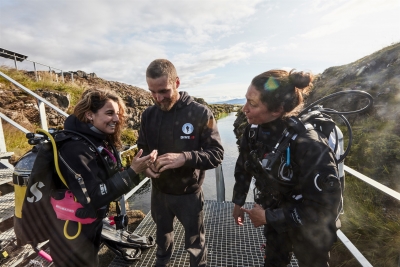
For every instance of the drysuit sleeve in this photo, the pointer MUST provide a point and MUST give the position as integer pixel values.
(77, 161)
(211, 152)
(316, 202)
(142, 140)
(242, 177)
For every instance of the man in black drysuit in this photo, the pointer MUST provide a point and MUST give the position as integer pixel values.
(186, 136)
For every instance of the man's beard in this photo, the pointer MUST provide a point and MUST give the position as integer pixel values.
(167, 104)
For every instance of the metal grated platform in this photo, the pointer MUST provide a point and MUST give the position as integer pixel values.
(22, 252)
(6, 155)
(228, 244)
(6, 206)
(5, 176)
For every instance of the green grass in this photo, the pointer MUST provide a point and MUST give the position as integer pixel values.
(372, 218)
(15, 139)
(46, 83)
(370, 225)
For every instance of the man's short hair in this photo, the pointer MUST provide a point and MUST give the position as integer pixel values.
(161, 67)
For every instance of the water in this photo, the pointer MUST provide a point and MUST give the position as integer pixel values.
(141, 199)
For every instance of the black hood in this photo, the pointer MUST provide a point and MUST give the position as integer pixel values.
(276, 126)
(184, 100)
(73, 124)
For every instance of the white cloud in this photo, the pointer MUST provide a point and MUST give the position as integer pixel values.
(343, 15)
(211, 43)
(118, 39)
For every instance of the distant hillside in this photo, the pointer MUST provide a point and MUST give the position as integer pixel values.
(377, 74)
(236, 101)
(376, 149)
(23, 108)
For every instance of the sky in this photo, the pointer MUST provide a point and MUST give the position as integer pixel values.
(216, 46)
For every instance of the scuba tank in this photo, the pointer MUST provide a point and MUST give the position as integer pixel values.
(22, 171)
(41, 208)
(21, 174)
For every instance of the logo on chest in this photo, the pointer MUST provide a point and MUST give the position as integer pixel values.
(187, 128)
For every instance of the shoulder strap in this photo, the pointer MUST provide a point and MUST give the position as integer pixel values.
(253, 134)
(94, 146)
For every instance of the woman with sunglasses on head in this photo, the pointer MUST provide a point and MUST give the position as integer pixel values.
(298, 197)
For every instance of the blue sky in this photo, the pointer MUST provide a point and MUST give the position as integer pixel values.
(216, 46)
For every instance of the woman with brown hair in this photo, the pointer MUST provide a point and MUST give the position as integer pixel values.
(298, 196)
(93, 173)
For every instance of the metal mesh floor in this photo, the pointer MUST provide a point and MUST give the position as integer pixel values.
(228, 244)
(5, 176)
(7, 206)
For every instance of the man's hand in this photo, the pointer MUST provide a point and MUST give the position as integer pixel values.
(149, 172)
(257, 215)
(169, 161)
(238, 214)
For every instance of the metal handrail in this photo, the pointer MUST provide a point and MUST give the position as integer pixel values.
(41, 99)
(34, 66)
(373, 183)
(353, 250)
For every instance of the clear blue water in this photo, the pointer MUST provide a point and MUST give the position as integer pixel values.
(141, 199)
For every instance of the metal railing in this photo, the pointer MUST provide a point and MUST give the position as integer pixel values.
(51, 69)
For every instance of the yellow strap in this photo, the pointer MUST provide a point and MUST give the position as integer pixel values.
(66, 232)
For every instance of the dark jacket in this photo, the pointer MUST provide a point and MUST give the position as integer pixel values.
(314, 197)
(77, 157)
(103, 184)
(189, 127)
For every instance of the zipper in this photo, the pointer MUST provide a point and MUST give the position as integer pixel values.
(78, 177)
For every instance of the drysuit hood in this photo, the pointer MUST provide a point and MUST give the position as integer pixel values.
(184, 100)
(73, 124)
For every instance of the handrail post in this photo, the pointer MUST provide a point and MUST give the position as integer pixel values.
(15, 63)
(3, 147)
(42, 113)
(220, 184)
(34, 67)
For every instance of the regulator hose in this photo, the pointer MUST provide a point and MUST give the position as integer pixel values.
(315, 105)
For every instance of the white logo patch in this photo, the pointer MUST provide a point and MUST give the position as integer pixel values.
(187, 128)
(103, 189)
(35, 192)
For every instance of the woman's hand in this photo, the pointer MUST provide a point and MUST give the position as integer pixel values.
(238, 214)
(139, 164)
(257, 215)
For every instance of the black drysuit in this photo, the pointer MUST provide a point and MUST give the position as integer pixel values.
(188, 128)
(304, 202)
(103, 185)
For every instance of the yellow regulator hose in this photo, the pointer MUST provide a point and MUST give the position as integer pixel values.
(55, 154)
